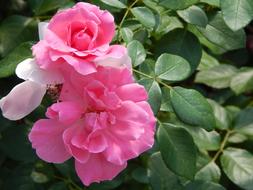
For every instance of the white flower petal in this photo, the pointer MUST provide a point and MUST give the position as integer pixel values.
(115, 61)
(29, 70)
(22, 100)
(116, 57)
(42, 29)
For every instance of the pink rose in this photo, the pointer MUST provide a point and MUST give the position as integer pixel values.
(78, 36)
(102, 120)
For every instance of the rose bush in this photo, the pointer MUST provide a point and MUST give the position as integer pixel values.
(194, 59)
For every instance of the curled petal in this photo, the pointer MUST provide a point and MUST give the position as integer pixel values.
(22, 100)
(46, 138)
(29, 70)
(97, 169)
(66, 112)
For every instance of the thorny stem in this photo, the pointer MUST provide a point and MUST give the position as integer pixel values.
(156, 79)
(124, 17)
(223, 144)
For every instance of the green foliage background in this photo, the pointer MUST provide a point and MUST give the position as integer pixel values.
(194, 57)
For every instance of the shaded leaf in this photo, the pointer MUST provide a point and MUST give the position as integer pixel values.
(176, 144)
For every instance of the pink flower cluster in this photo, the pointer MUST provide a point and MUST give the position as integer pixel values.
(101, 117)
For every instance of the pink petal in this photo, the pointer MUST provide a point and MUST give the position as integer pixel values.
(66, 112)
(74, 139)
(22, 100)
(97, 169)
(46, 138)
(133, 92)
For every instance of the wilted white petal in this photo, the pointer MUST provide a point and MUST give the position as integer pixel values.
(42, 29)
(22, 100)
(29, 70)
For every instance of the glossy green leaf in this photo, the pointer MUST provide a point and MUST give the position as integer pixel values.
(223, 120)
(221, 35)
(203, 139)
(114, 3)
(242, 81)
(194, 15)
(166, 103)
(217, 77)
(154, 93)
(127, 34)
(137, 52)
(237, 165)
(9, 63)
(191, 107)
(210, 172)
(145, 16)
(215, 3)
(178, 4)
(176, 144)
(207, 62)
(203, 185)
(160, 177)
(172, 67)
(237, 13)
(244, 122)
(182, 43)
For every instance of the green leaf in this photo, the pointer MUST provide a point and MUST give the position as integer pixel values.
(182, 43)
(217, 77)
(160, 177)
(237, 13)
(237, 138)
(166, 24)
(145, 16)
(220, 34)
(215, 3)
(244, 122)
(210, 172)
(178, 4)
(127, 34)
(154, 93)
(148, 67)
(207, 62)
(114, 3)
(203, 185)
(176, 144)
(9, 63)
(242, 81)
(194, 15)
(191, 107)
(166, 103)
(203, 139)
(223, 120)
(172, 67)
(237, 165)
(137, 52)
(15, 30)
